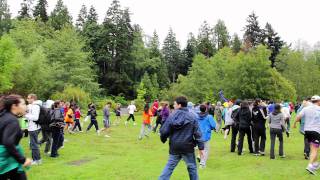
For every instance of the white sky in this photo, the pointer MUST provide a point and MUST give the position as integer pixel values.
(292, 19)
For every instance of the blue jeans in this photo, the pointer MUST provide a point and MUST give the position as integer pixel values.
(173, 161)
(34, 145)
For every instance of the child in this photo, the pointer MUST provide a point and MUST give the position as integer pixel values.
(131, 108)
(106, 118)
(93, 115)
(146, 115)
(118, 114)
(77, 116)
(69, 118)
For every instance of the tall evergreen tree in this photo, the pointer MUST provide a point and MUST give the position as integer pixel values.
(172, 55)
(25, 11)
(236, 43)
(221, 34)
(206, 40)
(273, 42)
(253, 34)
(82, 17)
(5, 17)
(154, 46)
(40, 10)
(60, 16)
(188, 53)
(92, 16)
(90, 30)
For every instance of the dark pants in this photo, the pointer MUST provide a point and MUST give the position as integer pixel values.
(173, 161)
(56, 143)
(13, 175)
(273, 134)
(235, 130)
(46, 138)
(259, 137)
(93, 122)
(242, 133)
(77, 124)
(157, 124)
(131, 116)
(306, 147)
(34, 145)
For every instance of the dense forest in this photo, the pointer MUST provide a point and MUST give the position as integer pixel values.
(52, 54)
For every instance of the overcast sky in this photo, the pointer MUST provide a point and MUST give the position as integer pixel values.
(292, 19)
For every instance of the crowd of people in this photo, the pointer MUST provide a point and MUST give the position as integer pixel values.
(188, 127)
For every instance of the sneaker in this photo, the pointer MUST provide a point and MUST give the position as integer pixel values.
(198, 159)
(107, 136)
(306, 156)
(288, 134)
(134, 124)
(316, 165)
(98, 132)
(81, 131)
(262, 153)
(140, 138)
(257, 154)
(202, 166)
(126, 123)
(283, 156)
(311, 170)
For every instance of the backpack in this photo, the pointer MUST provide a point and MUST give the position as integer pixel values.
(44, 116)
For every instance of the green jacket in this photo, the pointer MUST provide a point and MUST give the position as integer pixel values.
(7, 162)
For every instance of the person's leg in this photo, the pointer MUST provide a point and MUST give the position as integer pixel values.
(49, 142)
(262, 140)
(234, 138)
(203, 161)
(141, 135)
(90, 125)
(130, 117)
(280, 136)
(256, 140)
(95, 123)
(13, 175)
(241, 137)
(149, 129)
(34, 145)
(79, 125)
(249, 137)
(171, 165)
(55, 143)
(313, 165)
(190, 160)
(306, 148)
(272, 139)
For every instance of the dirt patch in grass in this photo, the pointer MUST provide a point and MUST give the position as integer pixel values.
(79, 162)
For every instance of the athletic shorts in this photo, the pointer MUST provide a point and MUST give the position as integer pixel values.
(313, 137)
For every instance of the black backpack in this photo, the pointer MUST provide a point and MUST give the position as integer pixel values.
(44, 116)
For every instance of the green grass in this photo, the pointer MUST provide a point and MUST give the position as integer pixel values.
(123, 156)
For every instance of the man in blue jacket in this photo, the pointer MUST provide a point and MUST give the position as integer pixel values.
(207, 124)
(183, 131)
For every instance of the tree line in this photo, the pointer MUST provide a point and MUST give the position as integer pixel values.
(47, 53)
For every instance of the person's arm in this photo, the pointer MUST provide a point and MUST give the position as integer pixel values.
(33, 115)
(212, 123)
(165, 130)
(298, 119)
(8, 139)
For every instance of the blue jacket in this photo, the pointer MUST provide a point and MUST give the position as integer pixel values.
(207, 124)
(182, 129)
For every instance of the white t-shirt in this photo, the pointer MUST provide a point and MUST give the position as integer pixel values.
(132, 109)
(311, 116)
(286, 112)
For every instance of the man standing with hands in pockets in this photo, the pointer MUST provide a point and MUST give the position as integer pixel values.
(184, 135)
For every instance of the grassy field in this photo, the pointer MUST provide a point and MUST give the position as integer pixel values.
(123, 156)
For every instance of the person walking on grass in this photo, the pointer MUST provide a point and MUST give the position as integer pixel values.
(276, 120)
(118, 114)
(159, 118)
(77, 116)
(235, 126)
(146, 122)
(228, 121)
(106, 118)
(33, 112)
(131, 108)
(311, 116)
(69, 118)
(245, 117)
(184, 134)
(206, 124)
(218, 110)
(57, 125)
(287, 117)
(11, 154)
(93, 119)
(259, 116)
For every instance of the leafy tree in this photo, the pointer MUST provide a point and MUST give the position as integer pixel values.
(236, 44)
(206, 44)
(82, 17)
(253, 34)
(60, 16)
(222, 35)
(273, 42)
(172, 55)
(40, 10)
(5, 17)
(25, 11)
(9, 63)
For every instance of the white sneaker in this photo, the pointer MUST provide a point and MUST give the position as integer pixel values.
(98, 132)
(126, 123)
(134, 124)
(311, 169)
(107, 136)
(316, 165)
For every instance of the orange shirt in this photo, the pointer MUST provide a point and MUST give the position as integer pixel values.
(147, 117)
(67, 118)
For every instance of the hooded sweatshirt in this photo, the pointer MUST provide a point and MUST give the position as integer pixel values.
(206, 124)
(183, 131)
(33, 115)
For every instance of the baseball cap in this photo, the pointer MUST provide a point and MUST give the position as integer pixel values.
(315, 98)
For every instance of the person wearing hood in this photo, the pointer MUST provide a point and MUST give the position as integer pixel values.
(245, 117)
(235, 126)
(259, 116)
(33, 112)
(218, 111)
(193, 110)
(206, 124)
(287, 116)
(184, 135)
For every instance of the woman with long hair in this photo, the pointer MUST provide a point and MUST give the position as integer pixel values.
(146, 115)
(12, 159)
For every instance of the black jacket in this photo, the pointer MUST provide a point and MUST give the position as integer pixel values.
(245, 117)
(259, 119)
(57, 120)
(10, 135)
(183, 131)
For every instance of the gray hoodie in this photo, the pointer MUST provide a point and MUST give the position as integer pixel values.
(276, 121)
